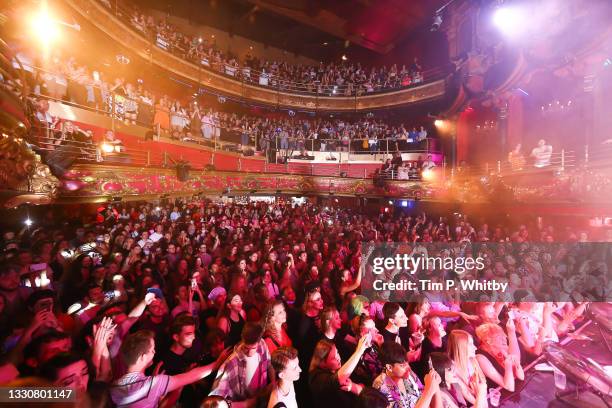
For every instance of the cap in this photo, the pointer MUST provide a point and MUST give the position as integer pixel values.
(216, 292)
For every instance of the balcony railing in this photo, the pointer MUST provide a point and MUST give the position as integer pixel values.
(228, 80)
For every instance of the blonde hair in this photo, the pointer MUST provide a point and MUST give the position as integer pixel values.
(268, 319)
(320, 354)
(326, 316)
(458, 342)
(488, 331)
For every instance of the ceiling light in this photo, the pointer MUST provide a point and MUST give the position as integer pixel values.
(437, 22)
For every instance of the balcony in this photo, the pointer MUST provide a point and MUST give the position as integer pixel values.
(288, 95)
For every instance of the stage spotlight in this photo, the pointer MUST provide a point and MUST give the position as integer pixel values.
(437, 22)
(509, 20)
(427, 174)
(28, 222)
(438, 123)
(344, 57)
(45, 27)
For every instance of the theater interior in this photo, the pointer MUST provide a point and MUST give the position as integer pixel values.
(208, 203)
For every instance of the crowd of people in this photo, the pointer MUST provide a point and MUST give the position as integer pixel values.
(398, 169)
(197, 303)
(67, 80)
(540, 155)
(341, 79)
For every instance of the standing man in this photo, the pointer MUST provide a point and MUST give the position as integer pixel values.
(135, 389)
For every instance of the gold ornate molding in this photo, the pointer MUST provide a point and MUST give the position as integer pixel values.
(94, 183)
(104, 20)
(23, 176)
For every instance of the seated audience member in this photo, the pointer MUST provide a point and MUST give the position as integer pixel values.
(499, 355)
(246, 373)
(542, 154)
(329, 379)
(135, 389)
(287, 370)
(399, 384)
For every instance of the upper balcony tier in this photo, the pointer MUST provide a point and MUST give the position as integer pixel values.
(255, 88)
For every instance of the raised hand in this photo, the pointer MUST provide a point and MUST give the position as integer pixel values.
(432, 381)
(149, 298)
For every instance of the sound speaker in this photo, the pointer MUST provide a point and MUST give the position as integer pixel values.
(182, 172)
(61, 159)
(272, 156)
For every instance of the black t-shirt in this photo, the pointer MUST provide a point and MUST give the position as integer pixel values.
(403, 333)
(421, 367)
(326, 391)
(174, 364)
(307, 336)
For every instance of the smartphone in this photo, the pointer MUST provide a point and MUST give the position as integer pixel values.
(38, 267)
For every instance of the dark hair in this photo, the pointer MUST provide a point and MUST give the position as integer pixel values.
(213, 336)
(280, 358)
(392, 353)
(135, 345)
(440, 362)
(252, 332)
(39, 295)
(372, 398)
(389, 310)
(33, 349)
(214, 401)
(180, 322)
(51, 367)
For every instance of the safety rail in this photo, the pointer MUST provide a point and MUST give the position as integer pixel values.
(81, 148)
(233, 138)
(560, 161)
(230, 68)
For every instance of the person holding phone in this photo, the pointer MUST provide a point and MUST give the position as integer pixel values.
(329, 379)
(399, 384)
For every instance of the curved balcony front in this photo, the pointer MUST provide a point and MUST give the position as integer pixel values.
(103, 19)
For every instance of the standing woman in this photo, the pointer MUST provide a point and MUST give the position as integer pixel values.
(162, 114)
(196, 119)
(207, 126)
(274, 321)
(232, 320)
(462, 351)
(499, 355)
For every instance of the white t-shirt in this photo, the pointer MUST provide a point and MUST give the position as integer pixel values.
(252, 363)
(155, 237)
(276, 396)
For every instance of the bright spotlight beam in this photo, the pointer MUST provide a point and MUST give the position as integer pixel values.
(45, 27)
(509, 20)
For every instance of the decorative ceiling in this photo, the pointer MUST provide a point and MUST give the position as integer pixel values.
(319, 29)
